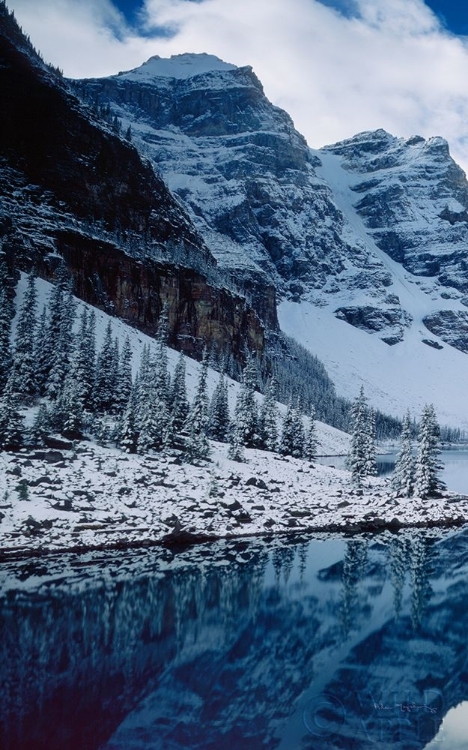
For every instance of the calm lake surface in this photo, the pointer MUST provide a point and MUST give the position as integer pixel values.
(330, 642)
(454, 474)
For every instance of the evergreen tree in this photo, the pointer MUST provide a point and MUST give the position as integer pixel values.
(42, 352)
(24, 360)
(151, 410)
(11, 422)
(268, 419)
(427, 482)
(287, 441)
(292, 436)
(128, 437)
(403, 475)
(370, 464)
(60, 343)
(104, 395)
(219, 422)
(236, 447)
(196, 426)
(124, 383)
(357, 460)
(41, 425)
(311, 442)
(81, 366)
(71, 406)
(246, 416)
(178, 403)
(5, 328)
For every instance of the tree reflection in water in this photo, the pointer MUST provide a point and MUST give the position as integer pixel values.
(233, 645)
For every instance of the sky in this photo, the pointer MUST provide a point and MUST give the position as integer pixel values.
(338, 67)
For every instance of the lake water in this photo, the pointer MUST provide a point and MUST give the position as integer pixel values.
(328, 642)
(454, 474)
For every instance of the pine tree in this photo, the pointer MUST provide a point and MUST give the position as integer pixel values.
(219, 422)
(358, 452)
(11, 422)
(124, 381)
(292, 436)
(5, 328)
(128, 437)
(403, 475)
(151, 411)
(268, 419)
(246, 415)
(71, 409)
(81, 366)
(427, 482)
(370, 464)
(42, 352)
(286, 444)
(311, 442)
(61, 318)
(24, 360)
(41, 426)
(178, 403)
(104, 395)
(196, 426)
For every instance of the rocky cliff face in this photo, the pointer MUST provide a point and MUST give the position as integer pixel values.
(71, 186)
(242, 171)
(269, 208)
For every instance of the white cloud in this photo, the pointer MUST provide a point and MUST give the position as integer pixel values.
(392, 66)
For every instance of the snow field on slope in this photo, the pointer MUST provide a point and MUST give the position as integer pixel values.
(177, 66)
(405, 375)
(331, 441)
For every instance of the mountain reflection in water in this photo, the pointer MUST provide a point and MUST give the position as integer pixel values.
(333, 643)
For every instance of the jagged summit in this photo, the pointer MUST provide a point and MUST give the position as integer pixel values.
(377, 149)
(187, 65)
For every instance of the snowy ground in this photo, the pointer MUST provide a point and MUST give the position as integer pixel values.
(99, 497)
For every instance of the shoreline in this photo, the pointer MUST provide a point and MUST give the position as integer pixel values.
(95, 498)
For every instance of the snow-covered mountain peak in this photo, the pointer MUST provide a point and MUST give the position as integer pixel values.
(187, 65)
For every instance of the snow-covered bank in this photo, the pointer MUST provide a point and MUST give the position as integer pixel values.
(95, 497)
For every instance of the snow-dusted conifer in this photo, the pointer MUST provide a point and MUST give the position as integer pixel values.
(268, 419)
(370, 463)
(403, 475)
(152, 414)
(427, 482)
(128, 437)
(178, 403)
(41, 352)
(246, 413)
(196, 426)
(63, 342)
(292, 435)
(11, 421)
(124, 382)
(286, 444)
(24, 361)
(357, 456)
(104, 394)
(219, 422)
(71, 408)
(41, 425)
(5, 327)
(311, 441)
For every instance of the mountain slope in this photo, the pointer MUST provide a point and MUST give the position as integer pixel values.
(71, 188)
(364, 241)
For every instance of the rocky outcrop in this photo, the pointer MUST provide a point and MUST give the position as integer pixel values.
(413, 199)
(451, 326)
(389, 323)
